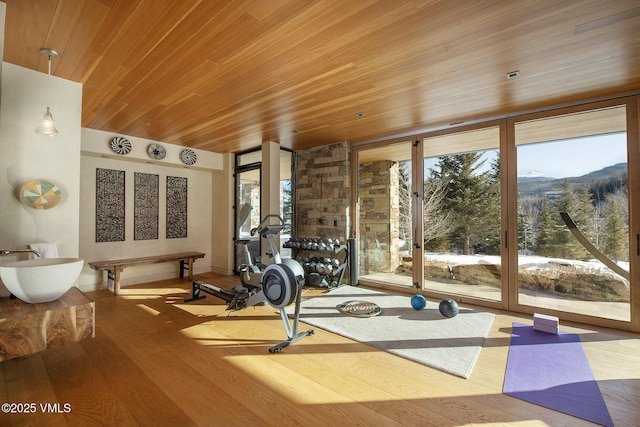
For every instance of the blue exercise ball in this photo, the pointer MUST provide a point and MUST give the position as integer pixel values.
(448, 307)
(418, 302)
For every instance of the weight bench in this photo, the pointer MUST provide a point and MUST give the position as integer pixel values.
(115, 267)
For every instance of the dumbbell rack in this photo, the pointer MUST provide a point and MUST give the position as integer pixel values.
(339, 252)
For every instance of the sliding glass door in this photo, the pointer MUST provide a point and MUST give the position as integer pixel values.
(461, 214)
(534, 213)
(286, 199)
(247, 207)
(384, 204)
(248, 199)
(573, 213)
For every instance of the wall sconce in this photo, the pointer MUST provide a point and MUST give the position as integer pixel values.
(47, 125)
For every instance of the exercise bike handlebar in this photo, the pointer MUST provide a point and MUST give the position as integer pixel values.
(263, 226)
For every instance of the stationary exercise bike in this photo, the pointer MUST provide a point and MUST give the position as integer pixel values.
(278, 284)
(250, 273)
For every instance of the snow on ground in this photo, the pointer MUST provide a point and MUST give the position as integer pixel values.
(526, 262)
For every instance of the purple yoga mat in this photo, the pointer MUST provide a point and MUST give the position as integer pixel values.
(553, 371)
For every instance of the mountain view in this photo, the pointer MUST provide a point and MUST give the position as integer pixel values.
(534, 176)
(599, 182)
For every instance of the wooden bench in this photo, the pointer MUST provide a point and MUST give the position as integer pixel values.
(115, 267)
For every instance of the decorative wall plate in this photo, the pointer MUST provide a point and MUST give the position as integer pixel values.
(40, 194)
(156, 151)
(120, 145)
(188, 157)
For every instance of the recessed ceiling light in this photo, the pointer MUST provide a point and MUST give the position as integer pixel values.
(513, 74)
(360, 114)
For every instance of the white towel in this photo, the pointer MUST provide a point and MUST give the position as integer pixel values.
(46, 250)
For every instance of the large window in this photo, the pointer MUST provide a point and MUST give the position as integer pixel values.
(286, 198)
(532, 213)
(461, 214)
(384, 214)
(573, 213)
(248, 203)
(247, 207)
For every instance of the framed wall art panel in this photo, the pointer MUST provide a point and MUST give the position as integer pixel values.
(146, 205)
(110, 201)
(176, 207)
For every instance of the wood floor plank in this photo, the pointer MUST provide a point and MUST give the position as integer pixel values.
(403, 390)
(27, 382)
(145, 401)
(157, 360)
(205, 400)
(79, 384)
(217, 328)
(270, 400)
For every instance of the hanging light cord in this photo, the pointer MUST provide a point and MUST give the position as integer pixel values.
(49, 83)
(47, 124)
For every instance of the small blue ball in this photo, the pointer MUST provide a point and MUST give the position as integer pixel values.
(418, 302)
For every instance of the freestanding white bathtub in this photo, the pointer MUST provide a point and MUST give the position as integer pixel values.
(41, 280)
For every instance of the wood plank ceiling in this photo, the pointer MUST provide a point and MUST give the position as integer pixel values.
(225, 76)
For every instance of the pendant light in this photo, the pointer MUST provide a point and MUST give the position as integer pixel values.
(47, 125)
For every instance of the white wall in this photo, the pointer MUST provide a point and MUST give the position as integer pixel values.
(70, 160)
(223, 249)
(27, 155)
(98, 143)
(96, 153)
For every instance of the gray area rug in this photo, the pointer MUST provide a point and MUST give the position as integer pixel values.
(449, 344)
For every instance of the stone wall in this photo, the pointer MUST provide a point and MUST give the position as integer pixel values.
(323, 197)
(323, 191)
(379, 213)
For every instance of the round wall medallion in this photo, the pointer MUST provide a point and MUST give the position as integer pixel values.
(156, 151)
(120, 145)
(40, 194)
(188, 156)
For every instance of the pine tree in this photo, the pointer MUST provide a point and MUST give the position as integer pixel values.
(614, 232)
(544, 245)
(587, 215)
(472, 198)
(488, 237)
(566, 245)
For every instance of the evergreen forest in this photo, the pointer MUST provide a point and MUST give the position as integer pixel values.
(461, 208)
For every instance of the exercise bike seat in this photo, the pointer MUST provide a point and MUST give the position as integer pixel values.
(272, 229)
(239, 291)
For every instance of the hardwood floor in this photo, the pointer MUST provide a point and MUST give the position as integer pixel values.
(156, 360)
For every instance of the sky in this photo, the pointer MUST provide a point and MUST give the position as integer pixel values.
(565, 158)
(574, 157)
